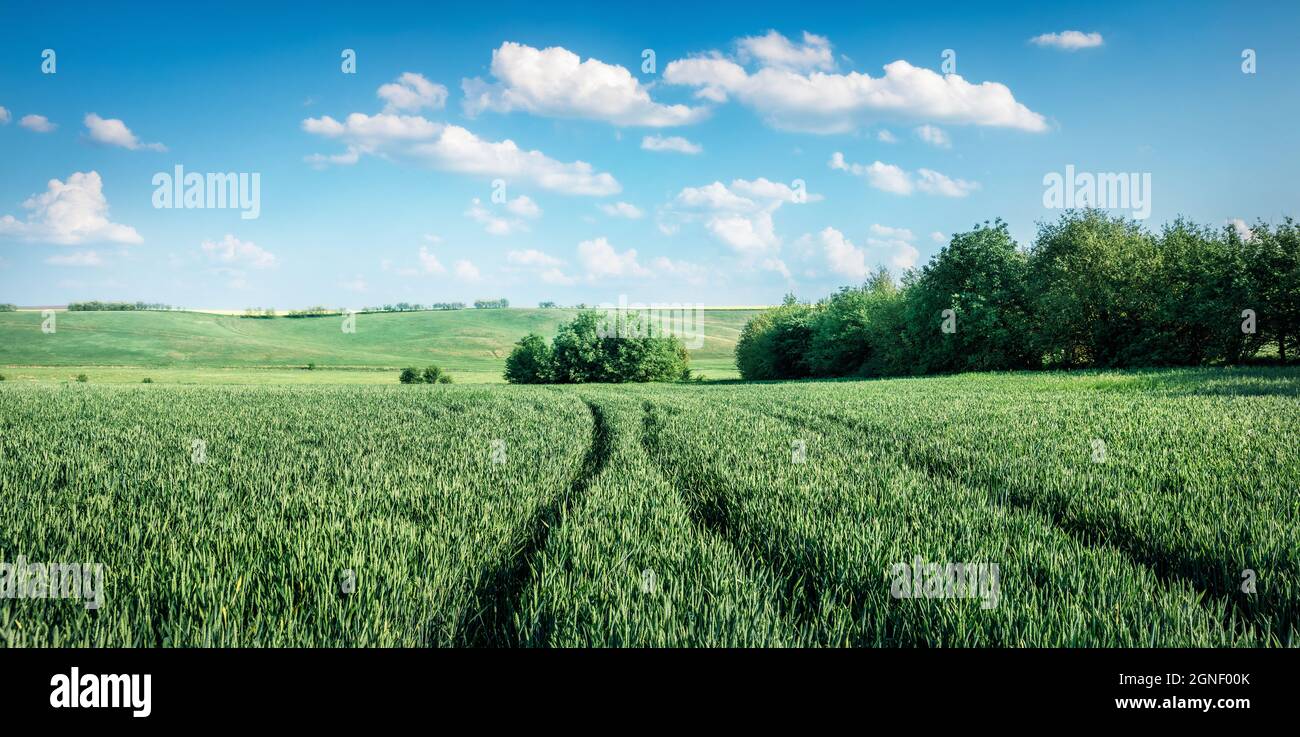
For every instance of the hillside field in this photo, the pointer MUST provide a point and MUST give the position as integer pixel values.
(198, 347)
(1109, 509)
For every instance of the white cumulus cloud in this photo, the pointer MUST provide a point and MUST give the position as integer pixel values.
(896, 180)
(777, 51)
(556, 82)
(1068, 40)
(69, 213)
(600, 259)
(452, 148)
(38, 123)
(828, 102)
(113, 132)
(232, 251)
(670, 143)
(623, 210)
(934, 136)
(412, 92)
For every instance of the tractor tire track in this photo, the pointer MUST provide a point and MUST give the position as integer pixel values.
(799, 597)
(1204, 574)
(492, 621)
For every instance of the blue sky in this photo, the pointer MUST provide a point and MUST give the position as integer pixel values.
(805, 161)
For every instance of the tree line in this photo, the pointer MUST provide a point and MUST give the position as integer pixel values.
(97, 306)
(1091, 291)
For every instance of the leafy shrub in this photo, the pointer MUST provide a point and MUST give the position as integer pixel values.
(775, 344)
(531, 361)
(431, 374)
(599, 347)
(146, 380)
(82, 378)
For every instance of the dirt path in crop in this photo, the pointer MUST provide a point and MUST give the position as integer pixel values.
(497, 598)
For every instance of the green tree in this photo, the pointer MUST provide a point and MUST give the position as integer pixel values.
(431, 374)
(1272, 257)
(598, 347)
(845, 331)
(981, 276)
(1088, 305)
(530, 362)
(774, 343)
(411, 376)
(1198, 289)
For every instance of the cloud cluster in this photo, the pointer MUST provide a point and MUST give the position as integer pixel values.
(412, 92)
(516, 211)
(1068, 40)
(37, 123)
(675, 144)
(896, 180)
(851, 261)
(792, 89)
(69, 213)
(556, 82)
(623, 210)
(934, 136)
(452, 148)
(231, 251)
(113, 132)
(739, 215)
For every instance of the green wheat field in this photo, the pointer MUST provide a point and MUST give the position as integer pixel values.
(242, 499)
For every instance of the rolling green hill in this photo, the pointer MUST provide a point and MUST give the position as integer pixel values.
(197, 347)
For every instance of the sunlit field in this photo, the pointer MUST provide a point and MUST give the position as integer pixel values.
(1152, 508)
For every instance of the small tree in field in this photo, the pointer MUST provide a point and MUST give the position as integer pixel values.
(530, 362)
(433, 375)
(411, 376)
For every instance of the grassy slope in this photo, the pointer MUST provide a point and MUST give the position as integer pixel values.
(191, 347)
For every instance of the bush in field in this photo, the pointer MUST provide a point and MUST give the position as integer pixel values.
(429, 375)
(530, 362)
(775, 344)
(146, 380)
(82, 378)
(7, 307)
(599, 347)
(853, 332)
(435, 375)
